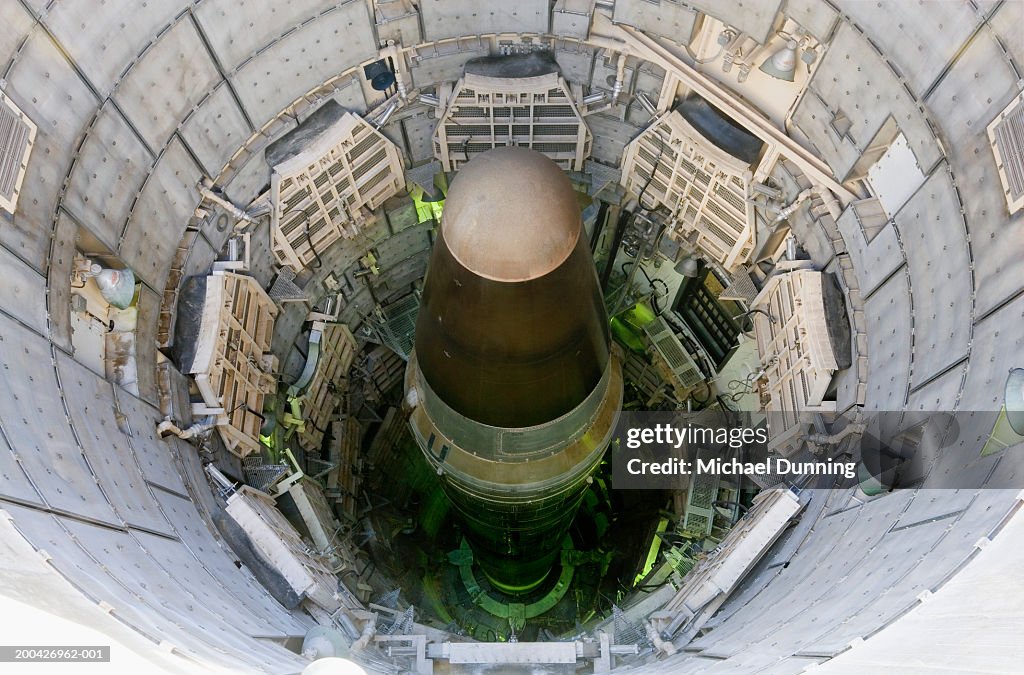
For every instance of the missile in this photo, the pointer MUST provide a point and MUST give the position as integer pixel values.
(512, 389)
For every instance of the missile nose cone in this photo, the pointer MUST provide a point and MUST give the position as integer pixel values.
(511, 216)
(512, 330)
(514, 391)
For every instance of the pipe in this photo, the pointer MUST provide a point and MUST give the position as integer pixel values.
(205, 188)
(369, 630)
(791, 208)
(167, 428)
(646, 104)
(220, 479)
(830, 201)
(395, 54)
(834, 439)
(386, 115)
(620, 75)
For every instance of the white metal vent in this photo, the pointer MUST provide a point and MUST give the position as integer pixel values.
(681, 370)
(796, 351)
(1006, 135)
(233, 367)
(705, 188)
(533, 112)
(17, 136)
(700, 509)
(322, 395)
(330, 189)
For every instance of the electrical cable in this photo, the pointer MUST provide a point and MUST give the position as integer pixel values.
(654, 169)
(309, 240)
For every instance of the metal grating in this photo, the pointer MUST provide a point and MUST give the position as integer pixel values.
(260, 475)
(706, 189)
(17, 136)
(1006, 135)
(233, 366)
(741, 288)
(330, 189)
(389, 599)
(533, 112)
(396, 324)
(680, 367)
(285, 289)
(627, 632)
(796, 352)
(700, 510)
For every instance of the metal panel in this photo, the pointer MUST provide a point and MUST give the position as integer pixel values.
(446, 19)
(237, 29)
(13, 481)
(939, 394)
(155, 102)
(58, 300)
(996, 347)
(575, 63)
(963, 115)
(571, 18)
(103, 37)
(868, 93)
(610, 137)
(283, 72)
(155, 456)
(24, 292)
(188, 573)
(837, 547)
(813, 117)
(817, 17)
(48, 533)
(935, 243)
(49, 454)
(160, 215)
(216, 129)
(755, 18)
(217, 561)
(920, 43)
(445, 63)
(90, 404)
(667, 18)
(18, 24)
(834, 603)
(419, 129)
(984, 508)
(107, 175)
(145, 344)
(873, 262)
(126, 562)
(252, 177)
(506, 653)
(888, 315)
(61, 109)
(1006, 22)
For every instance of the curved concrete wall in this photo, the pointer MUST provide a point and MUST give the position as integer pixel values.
(136, 101)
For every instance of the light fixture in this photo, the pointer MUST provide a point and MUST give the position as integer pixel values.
(688, 267)
(1013, 399)
(782, 64)
(380, 76)
(116, 286)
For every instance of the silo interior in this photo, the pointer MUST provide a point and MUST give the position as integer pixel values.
(215, 223)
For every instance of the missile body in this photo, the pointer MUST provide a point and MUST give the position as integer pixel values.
(512, 389)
